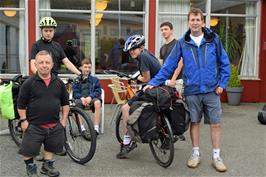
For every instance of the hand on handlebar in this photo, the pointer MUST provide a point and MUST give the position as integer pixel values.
(147, 87)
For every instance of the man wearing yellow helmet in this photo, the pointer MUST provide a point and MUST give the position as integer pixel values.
(48, 25)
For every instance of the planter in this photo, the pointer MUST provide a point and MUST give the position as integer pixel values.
(234, 95)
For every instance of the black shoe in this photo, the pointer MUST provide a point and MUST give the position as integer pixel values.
(125, 149)
(182, 138)
(165, 144)
(96, 133)
(32, 170)
(63, 153)
(48, 169)
(86, 135)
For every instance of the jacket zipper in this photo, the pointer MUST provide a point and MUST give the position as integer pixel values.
(205, 54)
(194, 58)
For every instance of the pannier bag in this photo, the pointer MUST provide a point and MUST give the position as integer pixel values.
(262, 115)
(6, 101)
(178, 117)
(162, 97)
(142, 122)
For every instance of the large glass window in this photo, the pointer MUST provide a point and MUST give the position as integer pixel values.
(175, 11)
(236, 21)
(115, 20)
(237, 24)
(13, 37)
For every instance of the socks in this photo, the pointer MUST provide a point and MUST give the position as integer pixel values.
(126, 140)
(29, 161)
(216, 153)
(195, 151)
(96, 127)
(82, 128)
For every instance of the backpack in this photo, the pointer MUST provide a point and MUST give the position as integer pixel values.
(262, 115)
(142, 122)
(162, 97)
(178, 117)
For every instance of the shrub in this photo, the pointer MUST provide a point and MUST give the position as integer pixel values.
(234, 80)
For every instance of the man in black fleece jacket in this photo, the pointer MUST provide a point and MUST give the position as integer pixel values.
(39, 103)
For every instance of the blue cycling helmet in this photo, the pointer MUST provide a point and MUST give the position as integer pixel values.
(134, 42)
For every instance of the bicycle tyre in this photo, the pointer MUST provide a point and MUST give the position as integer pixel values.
(15, 131)
(165, 132)
(72, 139)
(118, 128)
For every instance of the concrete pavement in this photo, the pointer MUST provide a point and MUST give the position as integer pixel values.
(243, 150)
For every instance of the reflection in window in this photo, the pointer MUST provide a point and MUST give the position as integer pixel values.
(109, 44)
(12, 43)
(73, 33)
(238, 34)
(70, 4)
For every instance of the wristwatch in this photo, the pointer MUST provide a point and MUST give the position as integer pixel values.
(22, 120)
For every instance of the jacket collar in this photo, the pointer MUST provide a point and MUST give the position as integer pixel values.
(208, 35)
(37, 77)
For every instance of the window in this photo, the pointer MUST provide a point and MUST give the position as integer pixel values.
(115, 20)
(13, 55)
(236, 22)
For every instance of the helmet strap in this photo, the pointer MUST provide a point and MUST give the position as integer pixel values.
(45, 40)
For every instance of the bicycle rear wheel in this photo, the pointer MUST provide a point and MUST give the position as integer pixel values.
(119, 127)
(163, 147)
(15, 131)
(80, 136)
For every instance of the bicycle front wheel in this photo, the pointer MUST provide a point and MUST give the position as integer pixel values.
(15, 131)
(163, 147)
(119, 127)
(80, 136)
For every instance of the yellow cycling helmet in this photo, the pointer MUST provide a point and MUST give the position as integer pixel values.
(47, 22)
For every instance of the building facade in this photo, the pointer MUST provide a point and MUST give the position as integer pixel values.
(96, 29)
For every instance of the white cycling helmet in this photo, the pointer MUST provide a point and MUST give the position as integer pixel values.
(134, 41)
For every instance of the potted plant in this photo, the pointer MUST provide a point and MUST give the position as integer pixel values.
(234, 88)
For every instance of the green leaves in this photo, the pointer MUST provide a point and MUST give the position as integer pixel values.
(234, 80)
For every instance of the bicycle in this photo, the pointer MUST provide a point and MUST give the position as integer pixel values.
(163, 156)
(80, 143)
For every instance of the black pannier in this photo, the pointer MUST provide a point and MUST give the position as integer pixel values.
(142, 122)
(178, 117)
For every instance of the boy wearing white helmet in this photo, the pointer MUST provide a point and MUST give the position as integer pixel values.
(48, 26)
(148, 66)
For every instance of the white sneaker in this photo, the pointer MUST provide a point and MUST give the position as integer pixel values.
(193, 161)
(218, 164)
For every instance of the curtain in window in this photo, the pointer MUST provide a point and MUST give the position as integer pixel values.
(179, 21)
(249, 67)
(45, 5)
(23, 61)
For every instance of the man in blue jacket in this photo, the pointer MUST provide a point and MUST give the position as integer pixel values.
(206, 71)
(88, 92)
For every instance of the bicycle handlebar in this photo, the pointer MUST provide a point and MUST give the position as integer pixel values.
(16, 79)
(121, 74)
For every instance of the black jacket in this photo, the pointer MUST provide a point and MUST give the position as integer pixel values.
(42, 103)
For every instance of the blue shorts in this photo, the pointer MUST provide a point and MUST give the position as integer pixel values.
(208, 104)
